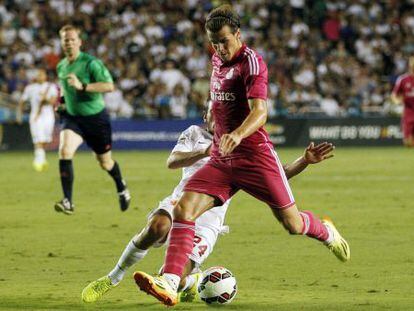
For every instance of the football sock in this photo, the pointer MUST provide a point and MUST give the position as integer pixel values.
(313, 227)
(66, 178)
(189, 282)
(179, 250)
(173, 280)
(39, 155)
(129, 257)
(115, 173)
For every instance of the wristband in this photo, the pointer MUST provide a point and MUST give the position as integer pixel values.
(84, 85)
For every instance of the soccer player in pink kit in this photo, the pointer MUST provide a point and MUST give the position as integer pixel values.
(403, 93)
(242, 158)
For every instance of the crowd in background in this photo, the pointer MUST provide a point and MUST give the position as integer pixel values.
(325, 57)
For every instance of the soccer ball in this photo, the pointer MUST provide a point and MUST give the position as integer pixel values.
(217, 286)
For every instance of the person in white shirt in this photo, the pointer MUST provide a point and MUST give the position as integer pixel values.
(191, 152)
(41, 95)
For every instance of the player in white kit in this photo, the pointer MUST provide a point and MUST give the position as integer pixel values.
(41, 95)
(190, 153)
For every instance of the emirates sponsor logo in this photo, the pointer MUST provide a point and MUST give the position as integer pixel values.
(222, 96)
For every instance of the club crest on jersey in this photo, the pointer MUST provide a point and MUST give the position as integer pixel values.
(229, 74)
(216, 86)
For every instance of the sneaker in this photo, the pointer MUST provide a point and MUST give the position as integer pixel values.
(124, 198)
(156, 286)
(65, 207)
(96, 289)
(190, 294)
(338, 245)
(38, 167)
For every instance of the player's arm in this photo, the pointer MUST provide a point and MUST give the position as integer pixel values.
(396, 99)
(19, 111)
(103, 79)
(312, 155)
(21, 105)
(45, 101)
(396, 94)
(179, 159)
(254, 120)
(95, 87)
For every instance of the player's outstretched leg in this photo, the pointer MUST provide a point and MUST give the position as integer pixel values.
(156, 231)
(306, 223)
(326, 232)
(124, 197)
(337, 244)
(114, 171)
(66, 177)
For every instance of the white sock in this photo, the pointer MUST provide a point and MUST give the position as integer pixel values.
(173, 280)
(39, 155)
(189, 282)
(130, 256)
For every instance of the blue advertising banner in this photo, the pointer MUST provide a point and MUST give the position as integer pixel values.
(163, 134)
(154, 134)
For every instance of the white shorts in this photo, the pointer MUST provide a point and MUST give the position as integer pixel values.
(42, 129)
(208, 227)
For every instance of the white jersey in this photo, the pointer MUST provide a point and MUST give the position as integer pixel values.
(195, 139)
(34, 93)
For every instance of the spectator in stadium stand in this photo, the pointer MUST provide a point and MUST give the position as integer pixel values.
(376, 35)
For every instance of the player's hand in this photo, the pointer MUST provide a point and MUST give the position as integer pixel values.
(73, 81)
(228, 143)
(315, 154)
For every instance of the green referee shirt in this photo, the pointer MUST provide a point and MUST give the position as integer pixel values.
(88, 69)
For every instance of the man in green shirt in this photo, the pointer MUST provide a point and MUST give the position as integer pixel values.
(83, 79)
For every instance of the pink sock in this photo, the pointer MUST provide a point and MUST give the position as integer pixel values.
(313, 227)
(179, 247)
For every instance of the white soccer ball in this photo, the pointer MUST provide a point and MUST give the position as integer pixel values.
(218, 286)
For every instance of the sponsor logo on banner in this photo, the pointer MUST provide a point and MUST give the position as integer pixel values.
(352, 132)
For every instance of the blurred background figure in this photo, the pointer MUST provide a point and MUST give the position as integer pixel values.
(41, 95)
(351, 50)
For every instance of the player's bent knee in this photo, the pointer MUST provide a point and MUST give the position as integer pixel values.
(159, 227)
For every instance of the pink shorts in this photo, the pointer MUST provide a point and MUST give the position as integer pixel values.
(260, 175)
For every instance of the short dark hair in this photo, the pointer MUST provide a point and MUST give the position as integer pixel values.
(221, 16)
(69, 27)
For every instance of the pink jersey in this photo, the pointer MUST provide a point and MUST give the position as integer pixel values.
(232, 84)
(405, 87)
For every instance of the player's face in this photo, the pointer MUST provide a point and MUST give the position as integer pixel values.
(225, 43)
(71, 42)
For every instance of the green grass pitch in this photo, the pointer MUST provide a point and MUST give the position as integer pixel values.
(47, 258)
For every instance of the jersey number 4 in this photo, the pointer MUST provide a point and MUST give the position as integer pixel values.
(201, 248)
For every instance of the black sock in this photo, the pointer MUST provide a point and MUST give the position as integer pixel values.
(115, 173)
(66, 177)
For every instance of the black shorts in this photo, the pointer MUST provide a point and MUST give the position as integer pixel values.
(95, 129)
